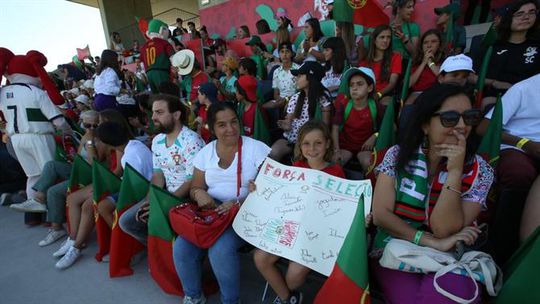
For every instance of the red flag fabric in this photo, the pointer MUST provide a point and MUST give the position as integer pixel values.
(123, 247)
(196, 46)
(239, 47)
(83, 53)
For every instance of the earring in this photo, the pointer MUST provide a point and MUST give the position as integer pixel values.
(425, 142)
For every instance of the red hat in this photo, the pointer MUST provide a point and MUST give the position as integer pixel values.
(248, 83)
(32, 65)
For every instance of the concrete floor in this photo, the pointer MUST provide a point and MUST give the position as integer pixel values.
(28, 275)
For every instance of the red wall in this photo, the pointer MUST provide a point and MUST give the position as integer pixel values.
(220, 18)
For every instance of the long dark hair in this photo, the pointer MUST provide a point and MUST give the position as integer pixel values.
(387, 55)
(438, 56)
(109, 59)
(262, 27)
(397, 4)
(316, 26)
(429, 102)
(245, 28)
(339, 56)
(504, 29)
(117, 117)
(316, 91)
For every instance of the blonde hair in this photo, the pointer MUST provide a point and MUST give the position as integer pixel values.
(309, 126)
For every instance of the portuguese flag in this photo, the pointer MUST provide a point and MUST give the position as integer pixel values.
(133, 189)
(349, 280)
(367, 13)
(105, 183)
(385, 140)
(81, 176)
(490, 145)
(480, 82)
(160, 241)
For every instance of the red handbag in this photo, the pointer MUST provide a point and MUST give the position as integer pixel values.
(203, 227)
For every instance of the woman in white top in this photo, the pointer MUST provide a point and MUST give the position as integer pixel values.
(214, 186)
(107, 83)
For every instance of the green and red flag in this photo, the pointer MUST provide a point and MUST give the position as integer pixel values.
(260, 131)
(123, 247)
(349, 280)
(81, 176)
(480, 82)
(160, 241)
(406, 81)
(368, 13)
(104, 183)
(521, 279)
(490, 145)
(385, 140)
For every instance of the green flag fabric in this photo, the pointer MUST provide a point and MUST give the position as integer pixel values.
(480, 82)
(81, 174)
(490, 145)
(406, 80)
(349, 280)
(104, 183)
(385, 139)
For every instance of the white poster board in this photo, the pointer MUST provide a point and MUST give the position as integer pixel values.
(301, 214)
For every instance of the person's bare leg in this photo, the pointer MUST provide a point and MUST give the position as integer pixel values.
(345, 156)
(530, 220)
(87, 223)
(265, 263)
(279, 149)
(364, 157)
(106, 210)
(75, 201)
(296, 275)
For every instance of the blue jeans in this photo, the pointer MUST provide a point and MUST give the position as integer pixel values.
(131, 226)
(225, 262)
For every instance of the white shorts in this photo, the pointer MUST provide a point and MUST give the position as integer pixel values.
(33, 151)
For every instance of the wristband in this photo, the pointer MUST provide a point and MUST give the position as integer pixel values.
(522, 143)
(431, 64)
(379, 94)
(453, 190)
(418, 236)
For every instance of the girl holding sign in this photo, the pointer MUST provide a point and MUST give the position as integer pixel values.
(313, 150)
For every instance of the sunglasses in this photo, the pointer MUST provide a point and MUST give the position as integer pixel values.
(90, 126)
(450, 119)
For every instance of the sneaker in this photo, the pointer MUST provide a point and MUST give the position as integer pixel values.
(30, 205)
(295, 298)
(5, 199)
(52, 236)
(64, 248)
(105, 259)
(190, 300)
(69, 258)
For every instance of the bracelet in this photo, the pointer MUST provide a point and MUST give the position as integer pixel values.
(379, 94)
(522, 143)
(431, 64)
(418, 236)
(453, 190)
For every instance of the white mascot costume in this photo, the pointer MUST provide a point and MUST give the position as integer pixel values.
(27, 103)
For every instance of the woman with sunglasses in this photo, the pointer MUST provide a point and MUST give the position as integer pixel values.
(430, 189)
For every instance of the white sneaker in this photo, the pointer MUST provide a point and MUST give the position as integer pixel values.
(5, 198)
(30, 205)
(105, 259)
(190, 300)
(64, 248)
(52, 236)
(69, 258)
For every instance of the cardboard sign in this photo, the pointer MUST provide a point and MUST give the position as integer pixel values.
(301, 214)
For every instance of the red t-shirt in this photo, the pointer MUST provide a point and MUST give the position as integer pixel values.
(205, 133)
(425, 81)
(155, 54)
(395, 68)
(357, 129)
(248, 120)
(333, 169)
(196, 82)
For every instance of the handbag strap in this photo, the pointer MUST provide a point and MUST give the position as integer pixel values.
(239, 171)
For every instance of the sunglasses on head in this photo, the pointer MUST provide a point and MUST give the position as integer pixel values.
(90, 126)
(450, 119)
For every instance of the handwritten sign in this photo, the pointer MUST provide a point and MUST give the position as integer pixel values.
(301, 214)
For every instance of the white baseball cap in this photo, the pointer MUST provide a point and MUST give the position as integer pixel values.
(457, 63)
(85, 100)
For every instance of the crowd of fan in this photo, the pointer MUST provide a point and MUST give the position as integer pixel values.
(288, 102)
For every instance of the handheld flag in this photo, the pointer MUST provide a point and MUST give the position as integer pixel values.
(349, 280)
(83, 53)
(406, 81)
(480, 82)
(490, 145)
(385, 139)
(81, 176)
(365, 12)
(104, 183)
(123, 247)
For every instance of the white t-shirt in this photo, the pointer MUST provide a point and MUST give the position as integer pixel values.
(176, 161)
(27, 110)
(222, 182)
(521, 110)
(137, 155)
(107, 83)
(331, 79)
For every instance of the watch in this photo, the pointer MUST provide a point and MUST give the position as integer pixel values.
(89, 143)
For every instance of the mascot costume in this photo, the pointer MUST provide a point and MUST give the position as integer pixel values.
(155, 54)
(27, 103)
